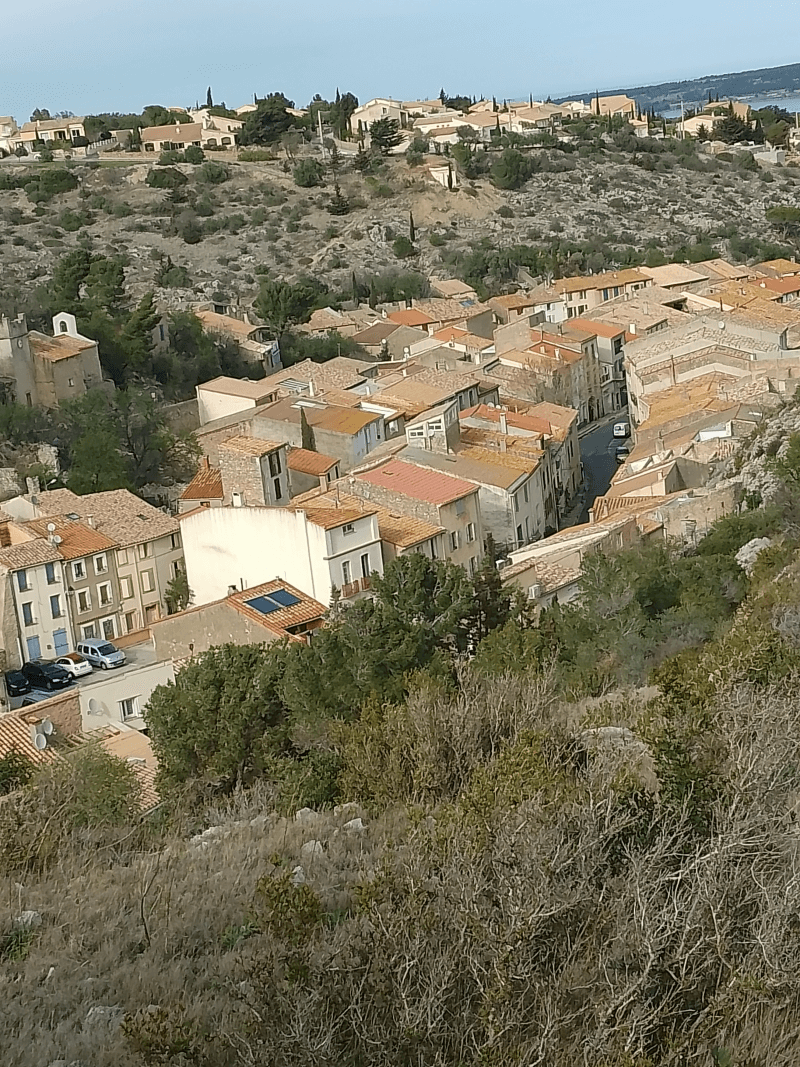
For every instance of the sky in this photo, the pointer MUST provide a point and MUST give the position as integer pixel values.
(105, 55)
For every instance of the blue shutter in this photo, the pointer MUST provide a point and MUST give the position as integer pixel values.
(60, 643)
(34, 648)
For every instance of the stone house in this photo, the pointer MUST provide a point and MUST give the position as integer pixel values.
(41, 371)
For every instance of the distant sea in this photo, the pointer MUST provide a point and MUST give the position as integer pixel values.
(788, 103)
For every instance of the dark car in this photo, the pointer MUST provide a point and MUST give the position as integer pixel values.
(46, 675)
(622, 452)
(17, 684)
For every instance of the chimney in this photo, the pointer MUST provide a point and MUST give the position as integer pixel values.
(632, 328)
(90, 520)
(405, 372)
(503, 422)
(206, 463)
(311, 387)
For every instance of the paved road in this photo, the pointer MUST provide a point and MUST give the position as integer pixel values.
(599, 463)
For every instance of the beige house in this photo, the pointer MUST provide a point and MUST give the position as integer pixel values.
(256, 345)
(8, 128)
(56, 133)
(442, 500)
(230, 396)
(41, 371)
(211, 132)
(614, 105)
(582, 293)
(148, 553)
(379, 108)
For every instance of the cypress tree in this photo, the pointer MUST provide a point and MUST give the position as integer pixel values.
(412, 236)
(306, 433)
(209, 98)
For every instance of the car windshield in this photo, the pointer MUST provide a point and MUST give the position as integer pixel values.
(106, 650)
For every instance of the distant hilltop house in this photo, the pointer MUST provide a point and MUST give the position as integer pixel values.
(60, 133)
(210, 132)
(614, 106)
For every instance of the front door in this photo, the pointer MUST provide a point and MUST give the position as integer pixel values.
(109, 630)
(34, 648)
(60, 643)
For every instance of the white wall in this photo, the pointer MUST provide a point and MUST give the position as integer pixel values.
(39, 597)
(100, 702)
(212, 405)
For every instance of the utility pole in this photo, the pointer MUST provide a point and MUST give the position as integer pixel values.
(319, 123)
(683, 123)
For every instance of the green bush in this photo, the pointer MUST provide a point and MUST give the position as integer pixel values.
(402, 247)
(168, 178)
(213, 174)
(308, 173)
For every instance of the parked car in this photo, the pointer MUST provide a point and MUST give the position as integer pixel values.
(621, 452)
(74, 664)
(45, 675)
(622, 429)
(101, 653)
(17, 684)
(33, 698)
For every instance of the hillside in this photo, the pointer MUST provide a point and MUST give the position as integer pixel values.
(666, 96)
(378, 849)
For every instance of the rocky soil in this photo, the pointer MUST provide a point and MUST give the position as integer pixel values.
(263, 219)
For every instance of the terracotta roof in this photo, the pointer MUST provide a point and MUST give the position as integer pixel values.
(16, 735)
(479, 465)
(134, 748)
(601, 329)
(513, 300)
(780, 266)
(782, 285)
(304, 461)
(410, 317)
(723, 269)
(119, 514)
(183, 132)
(29, 554)
(226, 324)
(258, 391)
(54, 348)
(402, 531)
(251, 446)
(206, 485)
(284, 618)
(452, 288)
(329, 518)
(675, 274)
(373, 335)
(607, 280)
(418, 483)
(337, 373)
(77, 539)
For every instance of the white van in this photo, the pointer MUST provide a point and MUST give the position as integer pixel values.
(101, 653)
(622, 429)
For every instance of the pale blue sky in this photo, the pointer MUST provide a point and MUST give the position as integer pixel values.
(105, 55)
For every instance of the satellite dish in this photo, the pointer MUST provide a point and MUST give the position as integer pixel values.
(47, 726)
(51, 527)
(57, 540)
(94, 707)
(40, 741)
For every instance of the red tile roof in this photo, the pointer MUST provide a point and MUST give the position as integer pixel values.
(410, 317)
(206, 485)
(304, 461)
(418, 483)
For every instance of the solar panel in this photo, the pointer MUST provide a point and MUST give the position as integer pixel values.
(262, 604)
(284, 598)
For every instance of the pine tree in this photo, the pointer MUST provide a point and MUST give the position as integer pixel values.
(491, 601)
(412, 236)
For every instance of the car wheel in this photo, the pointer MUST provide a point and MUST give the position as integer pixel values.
(104, 666)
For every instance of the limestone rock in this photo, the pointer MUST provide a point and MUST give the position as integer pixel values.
(748, 554)
(355, 826)
(104, 1017)
(313, 848)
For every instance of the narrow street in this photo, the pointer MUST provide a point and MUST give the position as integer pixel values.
(599, 462)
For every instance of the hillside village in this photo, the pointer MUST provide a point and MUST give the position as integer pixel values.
(420, 578)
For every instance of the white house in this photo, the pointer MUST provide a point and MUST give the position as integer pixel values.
(315, 544)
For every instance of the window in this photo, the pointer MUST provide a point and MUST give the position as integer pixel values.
(129, 707)
(434, 549)
(126, 585)
(176, 568)
(346, 572)
(100, 564)
(131, 621)
(519, 535)
(122, 556)
(50, 571)
(27, 614)
(104, 592)
(78, 570)
(144, 550)
(525, 492)
(470, 531)
(348, 528)
(175, 540)
(71, 382)
(148, 581)
(90, 631)
(84, 601)
(55, 606)
(516, 502)
(366, 570)
(454, 540)
(22, 581)
(276, 485)
(473, 566)
(274, 464)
